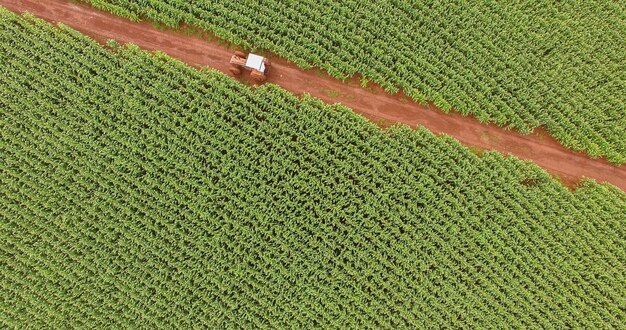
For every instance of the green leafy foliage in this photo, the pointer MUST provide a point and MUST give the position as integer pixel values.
(138, 192)
(520, 64)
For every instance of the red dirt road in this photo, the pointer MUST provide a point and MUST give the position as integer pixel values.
(371, 103)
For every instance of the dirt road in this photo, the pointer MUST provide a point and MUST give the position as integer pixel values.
(372, 103)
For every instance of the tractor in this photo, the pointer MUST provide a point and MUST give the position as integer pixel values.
(258, 65)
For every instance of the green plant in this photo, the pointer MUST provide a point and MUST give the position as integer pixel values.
(139, 192)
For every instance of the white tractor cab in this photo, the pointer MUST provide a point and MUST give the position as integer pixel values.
(257, 65)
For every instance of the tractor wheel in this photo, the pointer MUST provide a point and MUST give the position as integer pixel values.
(240, 54)
(268, 65)
(258, 76)
(234, 70)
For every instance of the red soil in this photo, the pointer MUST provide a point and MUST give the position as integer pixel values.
(372, 103)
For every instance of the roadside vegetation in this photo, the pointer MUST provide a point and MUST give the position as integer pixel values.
(518, 64)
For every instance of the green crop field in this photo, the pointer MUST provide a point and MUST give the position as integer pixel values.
(139, 192)
(519, 64)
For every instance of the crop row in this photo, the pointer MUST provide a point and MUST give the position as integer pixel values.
(137, 191)
(520, 65)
